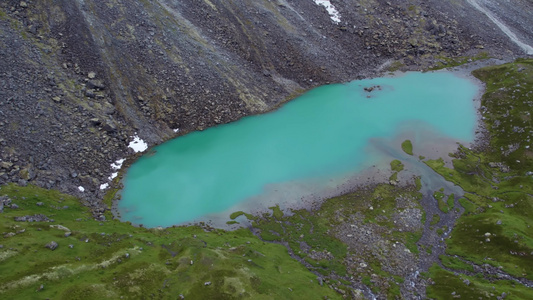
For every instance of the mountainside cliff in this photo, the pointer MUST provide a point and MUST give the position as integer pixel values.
(79, 79)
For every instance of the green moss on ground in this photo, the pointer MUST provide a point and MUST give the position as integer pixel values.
(448, 285)
(496, 228)
(508, 103)
(111, 259)
(418, 183)
(396, 165)
(455, 263)
(407, 147)
(467, 205)
(317, 238)
(434, 220)
(450, 62)
(276, 212)
(450, 202)
(395, 66)
(445, 202)
(393, 177)
(236, 214)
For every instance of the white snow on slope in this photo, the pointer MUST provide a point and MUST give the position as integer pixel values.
(115, 166)
(82, 189)
(527, 48)
(333, 13)
(118, 164)
(138, 145)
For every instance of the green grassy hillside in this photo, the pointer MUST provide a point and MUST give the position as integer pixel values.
(493, 240)
(110, 259)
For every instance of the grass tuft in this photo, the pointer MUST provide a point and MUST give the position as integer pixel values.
(407, 147)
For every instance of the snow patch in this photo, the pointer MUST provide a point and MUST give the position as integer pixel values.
(176, 130)
(82, 189)
(138, 145)
(333, 13)
(115, 166)
(118, 164)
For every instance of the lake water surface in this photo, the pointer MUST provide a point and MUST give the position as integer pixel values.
(312, 143)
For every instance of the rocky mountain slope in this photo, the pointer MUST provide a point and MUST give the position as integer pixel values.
(79, 79)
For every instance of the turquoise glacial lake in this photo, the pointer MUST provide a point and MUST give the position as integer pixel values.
(315, 142)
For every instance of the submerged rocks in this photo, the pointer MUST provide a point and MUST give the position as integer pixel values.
(372, 88)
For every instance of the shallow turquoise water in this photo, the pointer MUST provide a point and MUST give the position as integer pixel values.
(321, 135)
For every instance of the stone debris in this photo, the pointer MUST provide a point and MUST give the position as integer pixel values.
(52, 245)
(33, 218)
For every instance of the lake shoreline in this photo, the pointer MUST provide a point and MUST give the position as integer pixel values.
(369, 176)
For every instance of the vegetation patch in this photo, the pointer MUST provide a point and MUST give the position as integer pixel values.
(395, 66)
(334, 239)
(495, 230)
(435, 219)
(396, 165)
(456, 263)
(445, 202)
(236, 214)
(276, 212)
(407, 147)
(448, 285)
(110, 259)
(450, 62)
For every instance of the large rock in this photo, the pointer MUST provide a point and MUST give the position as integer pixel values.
(34, 218)
(96, 84)
(6, 165)
(52, 245)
